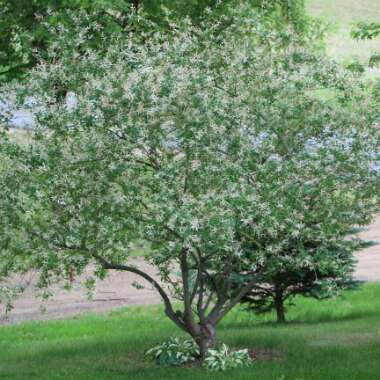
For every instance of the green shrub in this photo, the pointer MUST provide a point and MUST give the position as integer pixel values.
(223, 359)
(174, 352)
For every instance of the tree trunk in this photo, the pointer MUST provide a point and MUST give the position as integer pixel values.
(279, 306)
(206, 340)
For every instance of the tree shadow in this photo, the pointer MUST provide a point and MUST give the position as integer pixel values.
(322, 318)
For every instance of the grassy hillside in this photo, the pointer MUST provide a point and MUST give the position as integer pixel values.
(330, 340)
(342, 15)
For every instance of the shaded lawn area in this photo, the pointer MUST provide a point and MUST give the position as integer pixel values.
(335, 339)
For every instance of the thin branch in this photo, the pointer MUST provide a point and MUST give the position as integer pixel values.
(15, 68)
(243, 291)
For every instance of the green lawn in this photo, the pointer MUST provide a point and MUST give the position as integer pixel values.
(342, 15)
(335, 339)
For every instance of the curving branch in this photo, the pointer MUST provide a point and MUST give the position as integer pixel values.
(169, 311)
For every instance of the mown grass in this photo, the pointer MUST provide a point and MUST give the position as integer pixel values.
(342, 15)
(337, 339)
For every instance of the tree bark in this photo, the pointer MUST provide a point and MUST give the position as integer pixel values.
(205, 340)
(279, 306)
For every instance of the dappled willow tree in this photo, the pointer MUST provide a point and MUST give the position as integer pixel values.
(200, 146)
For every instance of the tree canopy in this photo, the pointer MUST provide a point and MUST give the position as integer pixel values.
(25, 24)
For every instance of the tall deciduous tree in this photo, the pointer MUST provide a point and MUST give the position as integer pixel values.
(199, 145)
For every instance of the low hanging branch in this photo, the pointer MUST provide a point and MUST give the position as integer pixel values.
(168, 306)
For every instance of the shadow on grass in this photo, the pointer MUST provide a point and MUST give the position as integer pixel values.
(113, 347)
(303, 319)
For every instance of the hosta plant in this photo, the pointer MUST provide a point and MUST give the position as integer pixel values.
(224, 358)
(174, 352)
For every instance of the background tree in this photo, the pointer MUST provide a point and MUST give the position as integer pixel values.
(316, 271)
(198, 150)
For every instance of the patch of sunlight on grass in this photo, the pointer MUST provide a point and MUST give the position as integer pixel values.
(342, 15)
